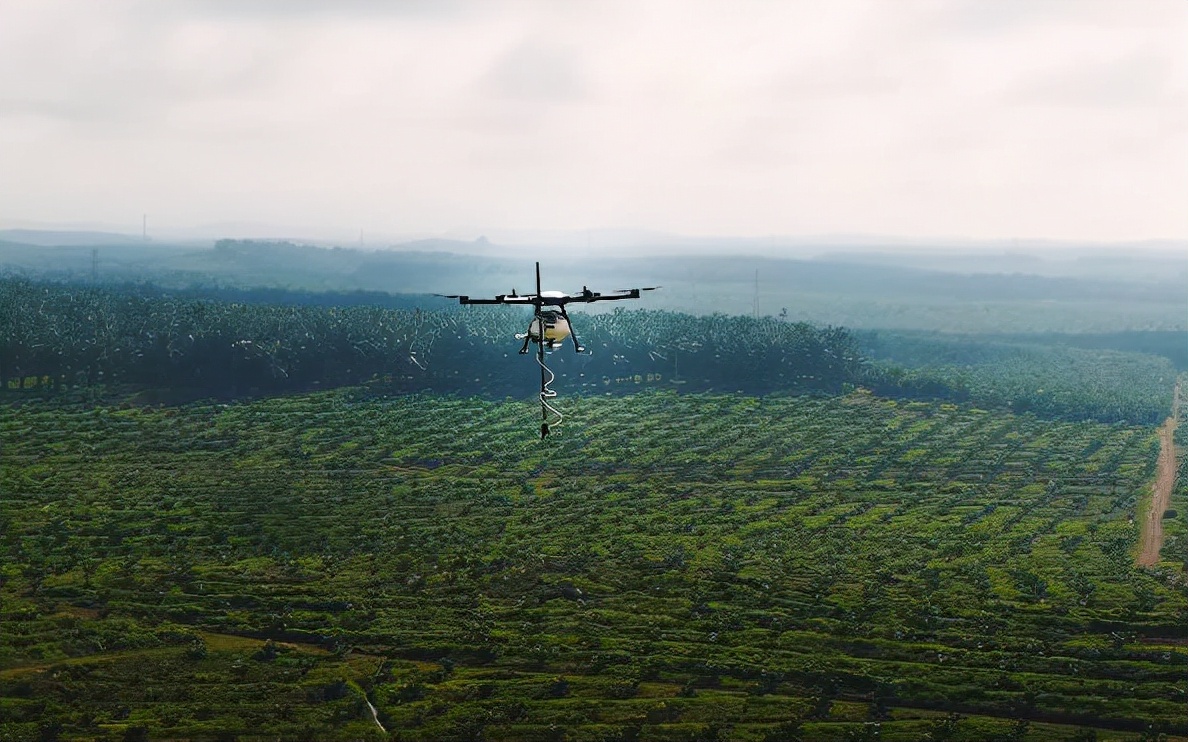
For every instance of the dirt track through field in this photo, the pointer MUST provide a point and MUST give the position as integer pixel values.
(1151, 539)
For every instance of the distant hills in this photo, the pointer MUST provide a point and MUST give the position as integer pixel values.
(65, 238)
(967, 289)
(597, 241)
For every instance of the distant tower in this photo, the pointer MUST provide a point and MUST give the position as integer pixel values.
(94, 265)
(756, 308)
(144, 227)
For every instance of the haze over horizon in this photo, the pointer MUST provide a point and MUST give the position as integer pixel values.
(921, 120)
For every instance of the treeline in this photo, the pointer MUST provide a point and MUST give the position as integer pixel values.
(1171, 344)
(1049, 379)
(60, 335)
(233, 343)
(63, 335)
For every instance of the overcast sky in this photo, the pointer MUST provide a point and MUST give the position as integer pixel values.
(1063, 119)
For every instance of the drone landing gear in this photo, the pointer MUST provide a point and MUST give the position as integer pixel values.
(577, 346)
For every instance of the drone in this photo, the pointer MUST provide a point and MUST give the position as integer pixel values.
(549, 327)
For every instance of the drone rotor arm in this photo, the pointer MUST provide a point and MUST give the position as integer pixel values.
(632, 294)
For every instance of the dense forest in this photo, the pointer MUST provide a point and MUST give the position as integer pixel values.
(60, 335)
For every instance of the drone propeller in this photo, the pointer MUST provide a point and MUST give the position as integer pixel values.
(644, 288)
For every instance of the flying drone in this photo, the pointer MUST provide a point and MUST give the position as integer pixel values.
(549, 327)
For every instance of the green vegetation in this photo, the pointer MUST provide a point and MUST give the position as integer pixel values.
(1038, 375)
(667, 566)
(56, 336)
(261, 514)
(173, 345)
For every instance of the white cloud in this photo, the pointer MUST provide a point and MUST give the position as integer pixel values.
(983, 118)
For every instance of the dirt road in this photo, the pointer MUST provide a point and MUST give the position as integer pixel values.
(1151, 539)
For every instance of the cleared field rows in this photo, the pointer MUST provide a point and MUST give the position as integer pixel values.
(849, 549)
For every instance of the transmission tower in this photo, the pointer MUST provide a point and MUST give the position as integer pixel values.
(756, 307)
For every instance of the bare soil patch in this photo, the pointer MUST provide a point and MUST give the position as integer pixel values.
(1151, 539)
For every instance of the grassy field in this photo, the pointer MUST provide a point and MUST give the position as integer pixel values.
(663, 567)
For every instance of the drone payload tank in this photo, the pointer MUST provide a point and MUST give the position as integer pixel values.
(556, 329)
